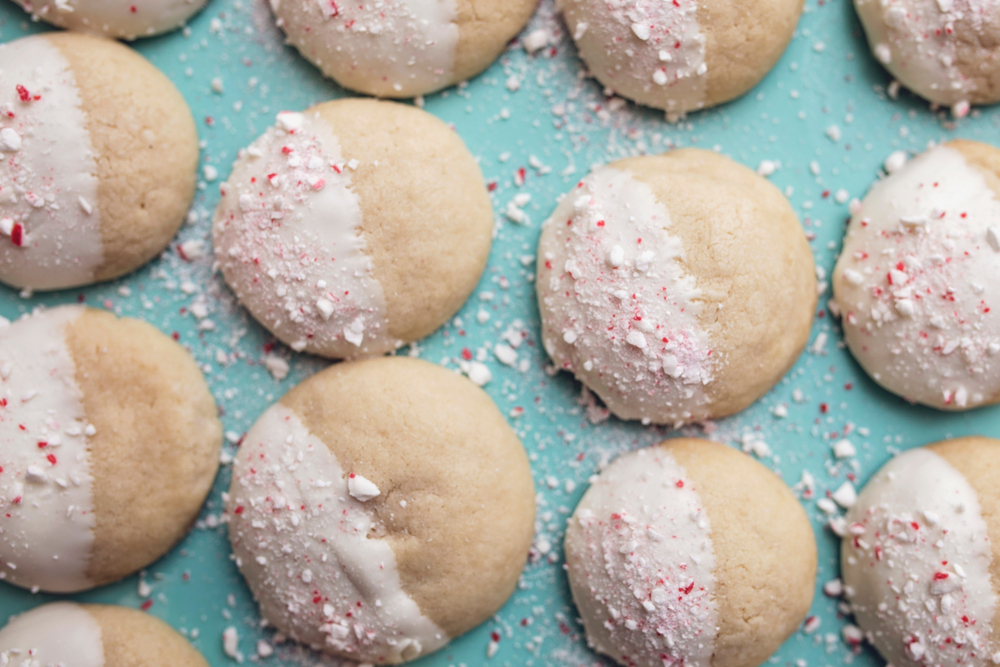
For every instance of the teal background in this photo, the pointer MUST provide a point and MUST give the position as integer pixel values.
(827, 77)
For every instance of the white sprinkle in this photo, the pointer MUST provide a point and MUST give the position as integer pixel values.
(580, 30)
(819, 345)
(505, 354)
(290, 121)
(844, 449)
(231, 644)
(264, 649)
(10, 141)
(144, 590)
(210, 173)
(641, 31)
(637, 339)
(535, 40)
(362, 488)
(477, 372)
(833, 132)
(896, 161)
(217, 86)
(993, 238)
(766, 168)
(35, 474)
(845, 496)
(492, 648)
(826, 506)
(325, 308)
(85, 205)
(276, 366)
(616, 256)
(883, 53)
(834, 588)
(853, 277)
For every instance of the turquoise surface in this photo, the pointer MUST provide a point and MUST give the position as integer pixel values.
(559, 120)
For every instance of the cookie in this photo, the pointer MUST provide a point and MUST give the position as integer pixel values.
(921, 562)
(677, 287)
(946, 51)
(689, 553)
(354, 227)
(381, 508)
(109, 443)
(98, 154)
(683, 55)
(916, 284)
(123, 19)
(66, 633)
(401, 48)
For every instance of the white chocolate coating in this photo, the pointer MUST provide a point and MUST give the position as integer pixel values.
(916, 564)
(618, 310)
(916, 283)
(914, 40)
(59, 633)
(647, 50)
(124, 19)
(288, 239)
(307, 549)
(48, 181)
(390, 48)
(46, 498)
(641, 564)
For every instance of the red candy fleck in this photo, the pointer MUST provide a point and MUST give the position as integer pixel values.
(238, 510)
(17, 234)
(23, 93)
(680, 484)
(51, 458)
(146, 605)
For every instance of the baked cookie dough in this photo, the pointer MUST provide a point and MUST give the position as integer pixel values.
(677, 287)
(916, 283)
(401, 48)
(381, 508)
(689, 553)
(682, 55)
(354, 227)
(98, 154)
(66, 633)
(946, 51)
(109, 443)
(921, 563)
(124, 19)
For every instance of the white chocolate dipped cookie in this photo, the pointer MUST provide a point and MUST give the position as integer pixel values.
(916, 283)
(401, 48)
(120, 19)
(99, 153)
(677, 287)
(75, 635)
(921, 561)
(682, 55)
(109, 443)
(689, 553)
(946, 51)
(354, 227)
(381, 508)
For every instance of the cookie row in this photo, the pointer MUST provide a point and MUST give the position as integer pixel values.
(678, 56)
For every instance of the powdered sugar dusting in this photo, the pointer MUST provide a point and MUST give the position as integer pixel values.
(618, 309)
(916, 283)
(916, 564)
(288, 239)
(48, 239)
(307, 548)
(641, 564)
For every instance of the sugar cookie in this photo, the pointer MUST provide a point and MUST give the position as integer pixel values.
(98, 153)
(689, 553)
(354, 227)
(66, 633)
(677, 287)
(921, 562)
(109, 443)
(682, 55)
(123, 19)
(916, 281)
(381, 508)
(946, 51)
(401, 48)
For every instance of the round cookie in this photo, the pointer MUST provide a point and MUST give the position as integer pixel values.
(66, 633)
(921, 563)
(381, 508)
(916, 283)
(354, 227)
(109, 443)
(123, 19)
(677, 287)
(689, 553)
(683, 55)
(401, 48)
(947, 51)
(98, 154)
